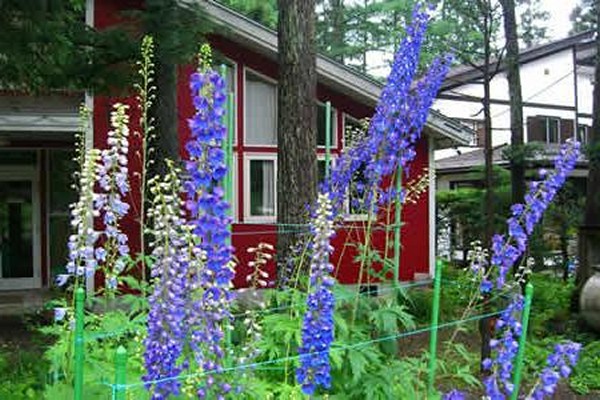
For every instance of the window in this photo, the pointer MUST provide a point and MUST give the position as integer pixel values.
(261, 181)
(321, 122)
(582, 133)
(552, 130)
(353, 130)
(261, 111)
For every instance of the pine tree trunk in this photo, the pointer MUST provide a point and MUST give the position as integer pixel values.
(517, 170)
(166, 144)
(296, 122)
(338, 30)
(485, 324)
(164, 111)
(590, 232)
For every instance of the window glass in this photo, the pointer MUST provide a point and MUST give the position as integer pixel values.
(18, 157)
(582, 133)
(320, 171)
(353, 131)
(261, 111)
(321, 114)
(356, 194)
(552, 130)
(262, 187)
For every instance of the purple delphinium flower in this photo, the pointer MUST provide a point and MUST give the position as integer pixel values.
(508, 329)
(558, 365)
(524, 217)
(167, 328)
(209, 216)
(317, 327)
(396, 126)
(114, 186)
(454, 395)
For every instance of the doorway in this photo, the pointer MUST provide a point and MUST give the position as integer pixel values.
(19, 228)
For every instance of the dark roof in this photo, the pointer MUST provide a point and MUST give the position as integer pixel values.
(332, 73)
(467, 161)
(467, 73)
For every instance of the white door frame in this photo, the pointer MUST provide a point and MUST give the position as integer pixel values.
(27, 173)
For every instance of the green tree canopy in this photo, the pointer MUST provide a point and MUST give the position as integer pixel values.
(583, 16)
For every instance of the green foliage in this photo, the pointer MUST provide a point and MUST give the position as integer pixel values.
(23, 375)
(463, 210)
(586, 377)
(46, 45)
(583, 16)
(262, 11)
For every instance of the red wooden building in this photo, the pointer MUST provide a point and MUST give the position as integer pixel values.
(36, 143)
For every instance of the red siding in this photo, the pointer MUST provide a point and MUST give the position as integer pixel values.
(415, 232)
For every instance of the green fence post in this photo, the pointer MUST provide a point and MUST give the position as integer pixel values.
(228, 180)
(120, 373)
(435, 312)
(327, 139)
(78, 347)
(397, 223)
(522, 341)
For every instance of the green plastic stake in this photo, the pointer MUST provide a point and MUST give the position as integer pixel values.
(78, 346)
(120, 373)
(397, 223)
(229, 152)
(433, 337)
(228, 181)
(522, 341)
(327, 139)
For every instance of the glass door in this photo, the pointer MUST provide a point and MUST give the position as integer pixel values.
(19, 229)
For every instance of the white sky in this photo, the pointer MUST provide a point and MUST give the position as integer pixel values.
(558, 26)
(559, 23)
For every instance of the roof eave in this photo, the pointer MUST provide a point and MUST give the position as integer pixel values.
(331, 73)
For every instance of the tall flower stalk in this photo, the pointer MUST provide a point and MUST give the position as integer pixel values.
(397, 124)
(167, 329)
(114, 186)
(81, 245)
(505, 252)
(524, 217)
(209, 313)
(317, 327)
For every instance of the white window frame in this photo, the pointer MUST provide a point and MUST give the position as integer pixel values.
(248, 217)
(334, 123)
(548, 129)
(268, 80)
(349, 216)
(234, 66)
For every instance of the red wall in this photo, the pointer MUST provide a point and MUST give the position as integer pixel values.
(415, 232)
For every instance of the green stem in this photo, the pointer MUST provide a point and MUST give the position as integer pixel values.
(120, 373)
(397, 222)
(435, 312)
(79, 350)
(522, 341)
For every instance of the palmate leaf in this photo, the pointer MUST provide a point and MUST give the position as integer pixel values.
(390, 317)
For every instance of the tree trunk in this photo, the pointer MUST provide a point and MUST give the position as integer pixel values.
(338, 30)
(296, 122)
(485, 327)
(166, 142)
(590, 232)
(164, 111)
(517, 170)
